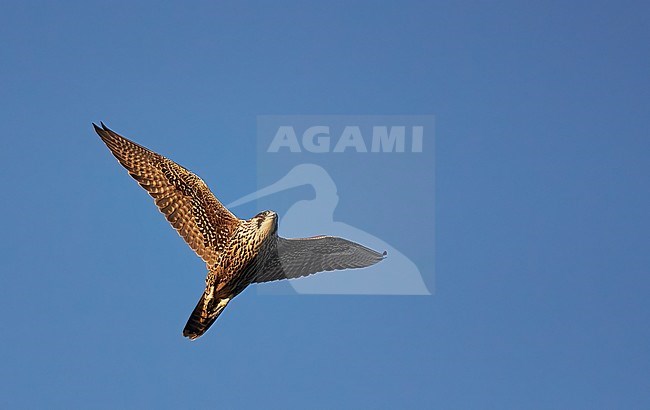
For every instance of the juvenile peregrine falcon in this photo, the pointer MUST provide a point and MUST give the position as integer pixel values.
(237, 252)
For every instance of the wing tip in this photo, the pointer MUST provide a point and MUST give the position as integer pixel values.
(380, 257)
(102, 130)
(101, 123)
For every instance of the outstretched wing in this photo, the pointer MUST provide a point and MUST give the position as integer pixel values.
(294, 258)
(184, 199)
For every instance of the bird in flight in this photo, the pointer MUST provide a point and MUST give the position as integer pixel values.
(237, 252)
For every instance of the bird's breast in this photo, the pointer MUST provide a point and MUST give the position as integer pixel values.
(246, 253)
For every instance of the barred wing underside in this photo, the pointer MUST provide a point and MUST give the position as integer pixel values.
(185, 200)
(299, 257)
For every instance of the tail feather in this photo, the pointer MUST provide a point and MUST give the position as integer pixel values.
(204, 315)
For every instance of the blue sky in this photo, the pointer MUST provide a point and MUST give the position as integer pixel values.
(542, 192)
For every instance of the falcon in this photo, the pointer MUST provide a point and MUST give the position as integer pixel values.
(237, 252)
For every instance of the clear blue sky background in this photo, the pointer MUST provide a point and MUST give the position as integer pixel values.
(542, 195)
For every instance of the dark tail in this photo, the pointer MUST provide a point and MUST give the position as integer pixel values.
(204, 315)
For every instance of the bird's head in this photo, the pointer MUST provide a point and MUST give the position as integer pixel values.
(267, 221)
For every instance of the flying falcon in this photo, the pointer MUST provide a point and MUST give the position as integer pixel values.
(237, 252)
